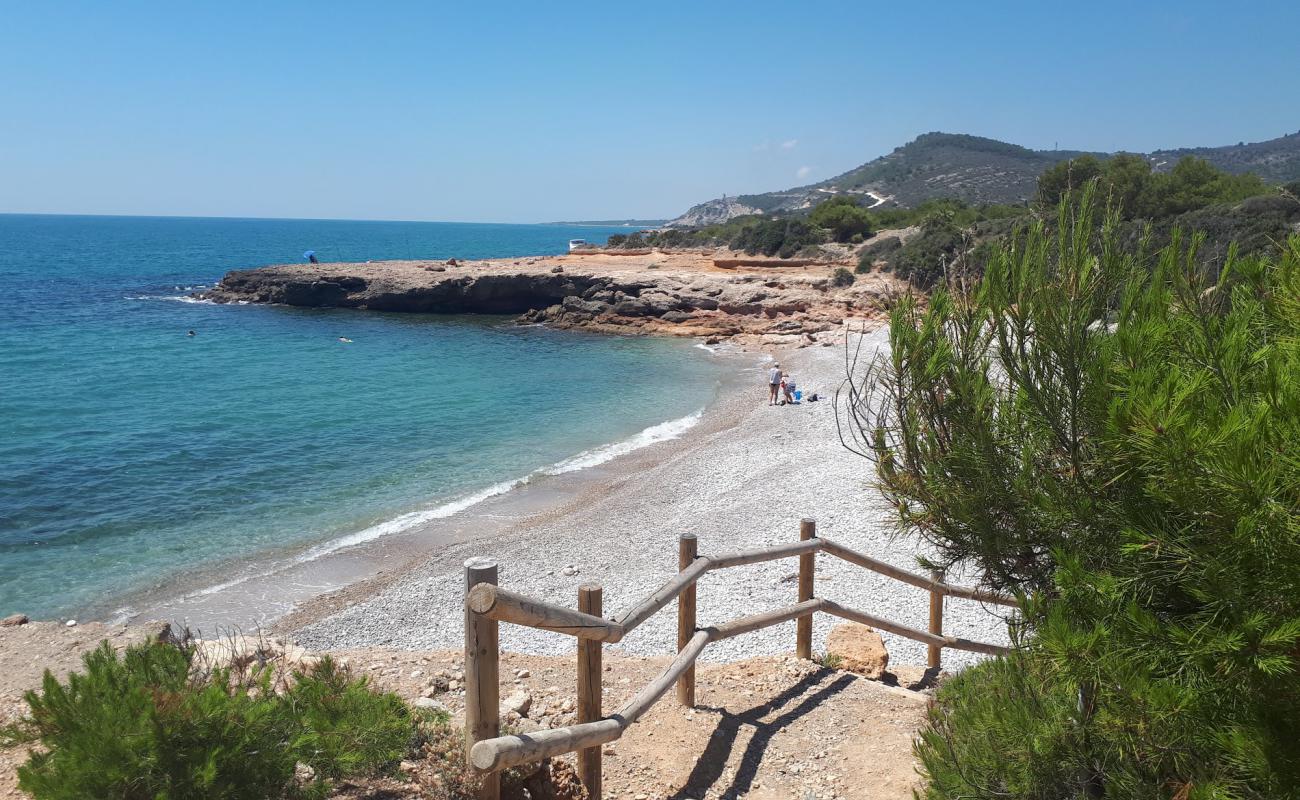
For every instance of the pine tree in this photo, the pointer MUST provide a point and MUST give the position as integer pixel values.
(1112, 434)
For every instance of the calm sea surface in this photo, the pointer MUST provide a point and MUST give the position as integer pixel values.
(129, 449)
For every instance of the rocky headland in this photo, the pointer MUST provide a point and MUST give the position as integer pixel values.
(683, 294)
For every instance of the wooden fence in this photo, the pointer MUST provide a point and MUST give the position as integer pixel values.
(486, 605)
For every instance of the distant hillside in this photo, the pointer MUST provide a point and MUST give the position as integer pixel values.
(1276, 160)
(976, 170)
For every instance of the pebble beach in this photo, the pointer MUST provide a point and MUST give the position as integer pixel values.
(742, 478)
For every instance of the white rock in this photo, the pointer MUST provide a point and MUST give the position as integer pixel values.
(519, 702)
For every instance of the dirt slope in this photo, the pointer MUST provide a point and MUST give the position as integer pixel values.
(772, 727)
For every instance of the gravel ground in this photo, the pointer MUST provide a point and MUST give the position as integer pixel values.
(741, 479)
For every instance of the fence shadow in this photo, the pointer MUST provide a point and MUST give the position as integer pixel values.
(713, 761)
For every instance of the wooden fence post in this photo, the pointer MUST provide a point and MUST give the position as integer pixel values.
(686, 551)
(590, 674)
(482, 674)
(803, 636)
(934, 652)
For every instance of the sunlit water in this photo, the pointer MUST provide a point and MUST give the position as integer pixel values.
(129, 449)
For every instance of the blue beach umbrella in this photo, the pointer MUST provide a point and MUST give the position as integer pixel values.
(310, 255)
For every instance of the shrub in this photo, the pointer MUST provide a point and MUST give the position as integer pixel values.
(342, 727)
(146, 725)
(963, 749)
(931, 254)
(1136, 191)
(777, 237)
(883, 248)
(1112, 435)
(842, 217)
(841, 277)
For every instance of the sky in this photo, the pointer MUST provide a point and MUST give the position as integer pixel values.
(533, 112)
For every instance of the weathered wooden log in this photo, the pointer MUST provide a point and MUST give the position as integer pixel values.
(920, 581)
(687, 547)
(507, 751)
(638, 705)
(807, 563)
(506, 606)
(911, 633)
(742, 557)
(766, 619)
(664, 595)
(589, 689)
(482, 672)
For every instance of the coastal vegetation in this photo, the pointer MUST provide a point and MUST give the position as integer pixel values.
(1107, 429)
(156, 722)
(954, 237)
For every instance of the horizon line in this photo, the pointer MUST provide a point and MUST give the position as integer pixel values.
(302, 219)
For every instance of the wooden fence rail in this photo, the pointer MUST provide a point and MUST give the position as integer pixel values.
(486, 605)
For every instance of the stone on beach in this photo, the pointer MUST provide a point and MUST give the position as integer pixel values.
(13, 621)
(519, 702)
(859, 649)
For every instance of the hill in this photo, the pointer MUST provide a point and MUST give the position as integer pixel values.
(976, 170)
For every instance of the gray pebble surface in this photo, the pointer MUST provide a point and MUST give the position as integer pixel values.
(743, 478)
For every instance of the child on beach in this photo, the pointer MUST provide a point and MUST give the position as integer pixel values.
(788, 387)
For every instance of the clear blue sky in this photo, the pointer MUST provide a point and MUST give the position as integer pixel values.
(544, 111)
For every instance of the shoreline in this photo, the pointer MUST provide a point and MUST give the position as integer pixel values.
(743, 477)
(259, 590)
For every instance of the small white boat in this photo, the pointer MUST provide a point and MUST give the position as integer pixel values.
(577, 244)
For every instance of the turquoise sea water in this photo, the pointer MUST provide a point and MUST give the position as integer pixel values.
(129, 449)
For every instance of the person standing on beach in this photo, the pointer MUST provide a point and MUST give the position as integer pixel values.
(773, 384)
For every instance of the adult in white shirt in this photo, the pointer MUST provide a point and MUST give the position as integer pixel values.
(773, 384)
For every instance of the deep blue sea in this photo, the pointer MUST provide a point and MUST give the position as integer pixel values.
(129, 449)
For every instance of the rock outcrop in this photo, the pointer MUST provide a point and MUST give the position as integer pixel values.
(657, 293)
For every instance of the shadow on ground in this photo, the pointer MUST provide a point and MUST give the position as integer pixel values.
(813, 690)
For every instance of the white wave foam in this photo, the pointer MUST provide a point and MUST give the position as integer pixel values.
(175, 298)
(663, 432)
(411, 519)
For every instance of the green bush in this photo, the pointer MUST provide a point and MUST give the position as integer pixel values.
(342, 727)
(1112, 434)
(931, 254)
(777, 237)
(147, 725)
(998, 729)
(1132, 187)
(884, 248)
(841, 277)
(842, 217)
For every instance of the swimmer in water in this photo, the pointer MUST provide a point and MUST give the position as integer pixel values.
(191, 333)
(344, 340)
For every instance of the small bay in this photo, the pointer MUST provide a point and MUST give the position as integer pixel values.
(131, 450)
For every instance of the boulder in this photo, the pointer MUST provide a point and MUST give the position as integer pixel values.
(519, 702)
(429, 704)
(859, 649)
(14, 620)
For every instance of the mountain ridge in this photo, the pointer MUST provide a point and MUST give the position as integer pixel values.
(978, 170)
